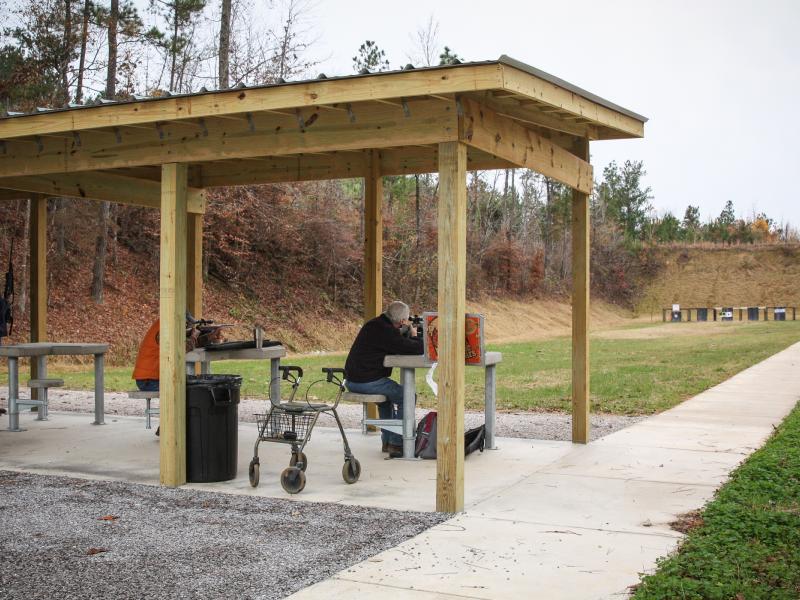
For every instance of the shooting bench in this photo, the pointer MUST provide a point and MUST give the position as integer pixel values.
(149, 397)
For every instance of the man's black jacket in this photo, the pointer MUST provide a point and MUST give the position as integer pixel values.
(377, 338)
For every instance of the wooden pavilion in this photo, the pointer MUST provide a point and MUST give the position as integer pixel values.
(163, 152)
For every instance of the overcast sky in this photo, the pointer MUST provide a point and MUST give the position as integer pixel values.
(719, 80)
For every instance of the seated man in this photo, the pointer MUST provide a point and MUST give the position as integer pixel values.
(146, 370)
(364, 368)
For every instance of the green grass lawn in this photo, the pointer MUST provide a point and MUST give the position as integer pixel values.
(629, 376)
(747, 542)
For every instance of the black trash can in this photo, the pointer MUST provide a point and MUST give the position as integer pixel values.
(702, 314)
(212, 427)
(752, 313)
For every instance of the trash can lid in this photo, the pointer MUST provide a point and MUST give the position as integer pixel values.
(214, 380)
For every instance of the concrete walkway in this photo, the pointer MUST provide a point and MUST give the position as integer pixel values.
(543, 519)
(585, 524)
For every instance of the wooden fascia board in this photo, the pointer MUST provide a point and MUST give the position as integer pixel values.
(406, 84)
(484, 129)
(102, 186)
(368, 125)
(549, 93)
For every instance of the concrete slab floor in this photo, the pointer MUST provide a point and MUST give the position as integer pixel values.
(542, 519)
(68, 444)
(587, 524)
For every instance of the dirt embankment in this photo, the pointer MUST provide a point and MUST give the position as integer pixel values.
(729, 276)
(308, 324)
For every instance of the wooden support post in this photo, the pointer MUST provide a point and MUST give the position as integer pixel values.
(373, 238)
(38, 277)
(194, 265)
(373, 248)
(173, 333)
(452, 308)
(580, 309)
(194, 269)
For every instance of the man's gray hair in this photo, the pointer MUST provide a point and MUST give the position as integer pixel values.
(397, 311)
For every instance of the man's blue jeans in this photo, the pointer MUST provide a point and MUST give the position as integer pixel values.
(391, 409)
(147, 385)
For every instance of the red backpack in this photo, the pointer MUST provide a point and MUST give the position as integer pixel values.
(474, 439)
(426, 437)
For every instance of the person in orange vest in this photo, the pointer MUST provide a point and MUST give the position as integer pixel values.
(146, 369)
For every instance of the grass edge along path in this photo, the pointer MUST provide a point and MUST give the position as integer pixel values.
(745, 545)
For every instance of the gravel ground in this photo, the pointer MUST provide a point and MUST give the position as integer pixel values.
(529, 425)
(159, 542)
(70, 538)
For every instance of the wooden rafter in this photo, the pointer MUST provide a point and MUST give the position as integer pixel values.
(534, 114)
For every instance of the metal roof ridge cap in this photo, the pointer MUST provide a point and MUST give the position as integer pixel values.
(517, 64)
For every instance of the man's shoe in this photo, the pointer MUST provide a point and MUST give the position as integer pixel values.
(394, 451)
(158, 431)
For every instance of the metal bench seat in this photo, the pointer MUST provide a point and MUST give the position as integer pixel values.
(393, 425)
(148, 396)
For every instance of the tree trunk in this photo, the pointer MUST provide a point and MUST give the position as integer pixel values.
(113, 230)
(416, 193)
(174, 49)
(84, 40)
(225, 45)
(22, 286)
(111, 69)
(99, 269)
(546, 230)
(66, 51)
(59, 216)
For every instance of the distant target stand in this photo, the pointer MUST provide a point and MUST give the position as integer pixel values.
(675, 314)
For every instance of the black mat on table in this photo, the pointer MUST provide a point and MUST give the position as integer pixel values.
(240, 345)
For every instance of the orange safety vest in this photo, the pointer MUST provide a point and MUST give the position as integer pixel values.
(148, 357)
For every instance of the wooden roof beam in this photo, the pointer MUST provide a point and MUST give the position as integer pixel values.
(484, 129)
(375, 126)
(407, 84)
(101, 186)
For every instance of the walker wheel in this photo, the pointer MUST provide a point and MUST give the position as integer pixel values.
(302, 458)
(293, 480)
(351, 470)
(253, 472)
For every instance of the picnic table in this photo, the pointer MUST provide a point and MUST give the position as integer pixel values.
(40, 351)
(408, 364)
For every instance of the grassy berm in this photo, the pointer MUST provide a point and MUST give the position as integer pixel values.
(745, 545)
